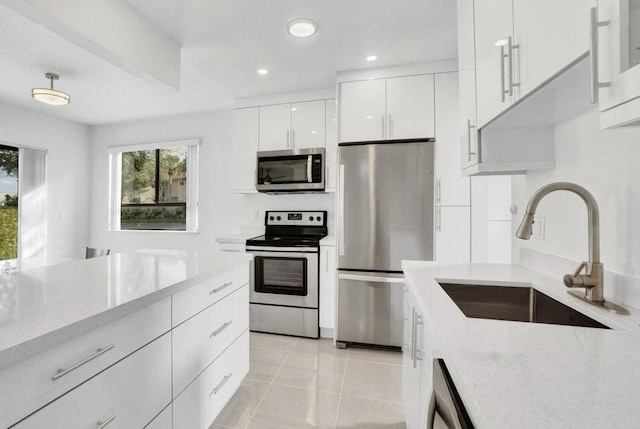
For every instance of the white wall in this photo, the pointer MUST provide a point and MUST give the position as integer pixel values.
(221, 211)
(67, 175)
(607, 163)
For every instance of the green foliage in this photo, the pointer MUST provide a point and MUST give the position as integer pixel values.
(152, 214)
(9, 162)
(139, 172)
(8, 233)
(10, 200)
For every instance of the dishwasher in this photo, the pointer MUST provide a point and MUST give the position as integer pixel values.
(446, 410)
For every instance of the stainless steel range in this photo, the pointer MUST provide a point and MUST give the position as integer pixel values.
(284, 296)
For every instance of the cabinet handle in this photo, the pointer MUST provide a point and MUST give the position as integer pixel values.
(439, 223)
(293, 138)
(418, 353)
(64, 371)
(413, 337)
(224, 286)
(511, 48)
(221, 384)
(103, 424)
(439, 191)
(502, 78)
(390, 124)
(469, 128)
(220, 329)
(593, 54)
(382, 121)
(288, 139)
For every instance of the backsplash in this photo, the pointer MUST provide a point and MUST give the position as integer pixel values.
(618, 288)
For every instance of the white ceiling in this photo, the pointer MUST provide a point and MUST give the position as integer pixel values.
(223, 43)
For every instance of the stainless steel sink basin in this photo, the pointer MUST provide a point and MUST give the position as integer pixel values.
(520, 304)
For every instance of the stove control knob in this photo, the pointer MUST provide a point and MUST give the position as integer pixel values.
(311, 218)
(278, 218)
(318, 219)
(270, 217)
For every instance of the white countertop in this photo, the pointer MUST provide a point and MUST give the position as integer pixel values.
(241, 237)
(329, 240)
(46, 306)
(529, 375)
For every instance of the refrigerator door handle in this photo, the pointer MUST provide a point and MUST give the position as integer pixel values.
(376, 279)
(341, 211)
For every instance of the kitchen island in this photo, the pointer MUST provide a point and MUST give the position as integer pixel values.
(123, 340)
(528, 375)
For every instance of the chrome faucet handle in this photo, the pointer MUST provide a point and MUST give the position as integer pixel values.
(580, 280)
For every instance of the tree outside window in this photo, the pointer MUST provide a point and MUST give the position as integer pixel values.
(8, 202)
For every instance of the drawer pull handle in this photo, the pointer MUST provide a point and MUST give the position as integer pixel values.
(64, 371)
(103, 424)
(224, 286)
(221, 384)
(220, 329)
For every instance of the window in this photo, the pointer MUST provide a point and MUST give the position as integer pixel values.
(8, 203)
(153, 186)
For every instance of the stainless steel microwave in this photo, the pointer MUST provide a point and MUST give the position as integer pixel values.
(294, 170)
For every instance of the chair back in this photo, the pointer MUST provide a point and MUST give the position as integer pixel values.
(94, 253)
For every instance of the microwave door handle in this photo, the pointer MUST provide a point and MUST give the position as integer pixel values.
(309, 165)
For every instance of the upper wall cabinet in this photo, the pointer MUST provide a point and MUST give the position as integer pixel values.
(292, 126)
(617, 32)
(387, 109)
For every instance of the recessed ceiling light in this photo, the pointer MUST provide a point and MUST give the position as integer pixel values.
(263, 71)
(50, 95)
(372, 58)
(301, 28)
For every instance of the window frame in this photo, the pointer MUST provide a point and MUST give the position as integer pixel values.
(115, 184)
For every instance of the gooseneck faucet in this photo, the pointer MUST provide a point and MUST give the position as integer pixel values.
(593, 279)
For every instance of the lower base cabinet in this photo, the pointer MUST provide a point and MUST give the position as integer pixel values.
(126, 395)
(164, 420)
(199, 404)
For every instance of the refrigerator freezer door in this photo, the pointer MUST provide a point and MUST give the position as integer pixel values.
(386, 205)
(370, 309)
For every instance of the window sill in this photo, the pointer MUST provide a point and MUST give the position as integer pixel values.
(155, 231)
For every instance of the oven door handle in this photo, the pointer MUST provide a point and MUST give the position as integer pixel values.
(376, 279)
(297, 250)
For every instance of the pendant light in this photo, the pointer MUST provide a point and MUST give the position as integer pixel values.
(50, 95)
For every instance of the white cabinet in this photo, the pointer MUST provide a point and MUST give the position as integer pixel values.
(327, 287)
(453, 232)
(129, 394)
(292, 126)
(245, 146)
(331, 145)
(467, 84)
(164, 420)
(387, 109)
(491, 220)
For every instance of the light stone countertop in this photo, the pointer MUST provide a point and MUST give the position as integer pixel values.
(43, 307)
(529, 375)
(237, 238)
(329, 240)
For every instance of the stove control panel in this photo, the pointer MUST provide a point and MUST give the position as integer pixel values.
(302, 218)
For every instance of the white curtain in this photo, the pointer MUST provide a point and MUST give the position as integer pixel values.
(32, 200)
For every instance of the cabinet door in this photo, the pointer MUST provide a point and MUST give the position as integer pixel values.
(327, 287)
(245, 146)
(410, 368)
(550, 34)
(453, 235)
(362, 110)
(451, 188)
(467, 83)
(619, 54)
(410, 107)
(275, 127)
(493, 24)
(331, 139)
(307, 124)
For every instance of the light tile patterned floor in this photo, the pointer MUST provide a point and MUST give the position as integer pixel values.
(300, 383)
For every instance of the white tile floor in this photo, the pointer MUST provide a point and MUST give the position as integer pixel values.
(300, 383)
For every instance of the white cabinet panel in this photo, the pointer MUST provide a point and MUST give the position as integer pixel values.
(410, 369)
(275, 127)
(130, 394)
(453, 232)
(452, 189)
(468, 125)
(199, 405)
(493, 23)
(164, 420)
(331, 143)
(362, 110)
(245, 146)
(410, 107)
(327, 286)
(308, 124)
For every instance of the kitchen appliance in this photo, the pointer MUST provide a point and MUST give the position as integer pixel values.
(446, 409)
(293, 170)
(386, 215)
(284, 297)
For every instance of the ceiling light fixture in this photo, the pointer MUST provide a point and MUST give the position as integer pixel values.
(263, 71)
(50, 95)
(301, 28)
(372, 58)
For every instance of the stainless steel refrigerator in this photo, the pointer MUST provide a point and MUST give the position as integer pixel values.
(385, 215)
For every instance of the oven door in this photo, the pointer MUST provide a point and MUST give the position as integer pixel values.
(288, 278)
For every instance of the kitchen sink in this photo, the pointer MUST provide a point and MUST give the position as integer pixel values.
(519, 304)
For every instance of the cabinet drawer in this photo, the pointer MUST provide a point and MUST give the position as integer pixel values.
(29, 384)
(201, 339)
(199, 404)
(190, 301)
(128, 395)
(164, 420)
